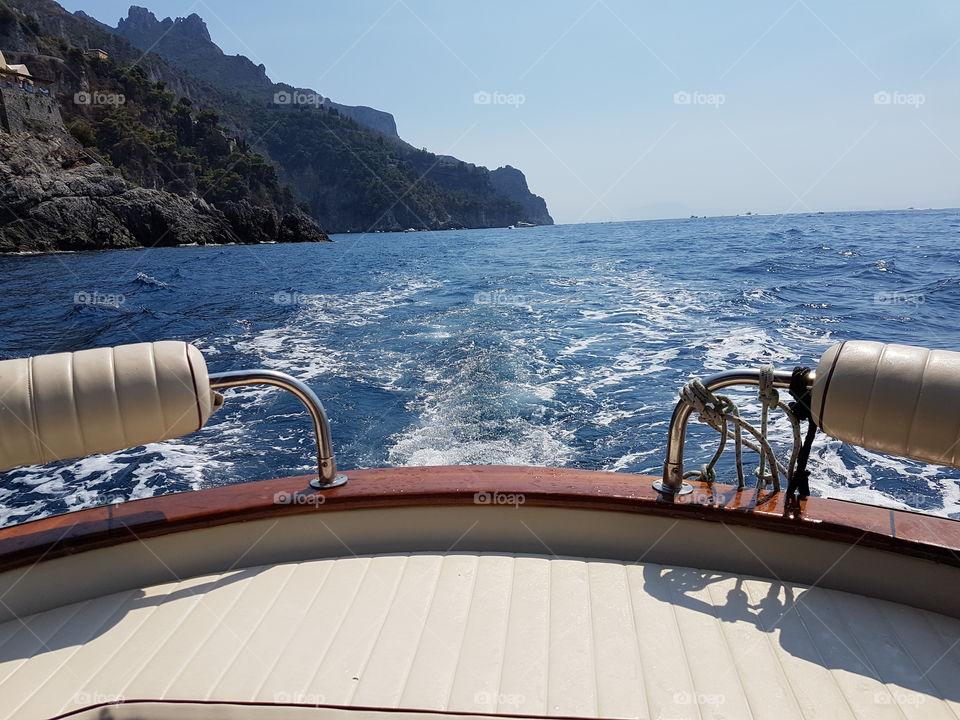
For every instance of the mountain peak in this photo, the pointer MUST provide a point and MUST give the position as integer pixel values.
(194, 27)
(186, 42)
(140, 18)
(140, 14)
(142, 26)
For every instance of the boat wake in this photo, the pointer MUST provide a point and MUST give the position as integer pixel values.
(567, 349)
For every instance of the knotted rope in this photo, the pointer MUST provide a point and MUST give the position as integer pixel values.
(769, 398)
(719, 411)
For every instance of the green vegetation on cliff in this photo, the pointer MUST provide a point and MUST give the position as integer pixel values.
(379, 184)
(149, 137)
(161, 143)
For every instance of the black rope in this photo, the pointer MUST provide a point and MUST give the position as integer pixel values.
(799, 482)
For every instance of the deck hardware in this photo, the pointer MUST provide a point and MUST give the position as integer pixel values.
(672, 482)
(327, 475)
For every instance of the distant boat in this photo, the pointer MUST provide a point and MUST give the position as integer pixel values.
(522, 224)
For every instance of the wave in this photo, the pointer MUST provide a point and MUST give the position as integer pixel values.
(154, 469)
(148, 281)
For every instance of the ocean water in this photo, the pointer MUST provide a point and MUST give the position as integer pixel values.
(559, 346)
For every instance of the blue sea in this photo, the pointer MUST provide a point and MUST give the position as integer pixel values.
(558, 346)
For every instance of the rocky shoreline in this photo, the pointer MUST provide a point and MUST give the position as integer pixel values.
(55, 197)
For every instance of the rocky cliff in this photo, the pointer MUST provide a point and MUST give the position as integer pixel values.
(54, 196)
(198, 123)
(154, 170)
(511, 183)
(186, 43)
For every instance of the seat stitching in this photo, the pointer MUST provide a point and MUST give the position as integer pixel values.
(196, 390)
(916, 402)
(869, 403)
(826, 388)
(32, 407)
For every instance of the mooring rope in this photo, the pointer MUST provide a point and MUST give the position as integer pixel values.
(720, 411)
(769, 397)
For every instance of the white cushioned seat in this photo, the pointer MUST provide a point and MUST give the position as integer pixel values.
(896, 399)
(68, 405)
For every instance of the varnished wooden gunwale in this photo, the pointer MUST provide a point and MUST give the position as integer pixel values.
(909, 533)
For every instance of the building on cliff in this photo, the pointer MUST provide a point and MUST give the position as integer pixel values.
(27, 103)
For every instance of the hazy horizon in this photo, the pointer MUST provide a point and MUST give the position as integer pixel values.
(616, 112)
(703, 217)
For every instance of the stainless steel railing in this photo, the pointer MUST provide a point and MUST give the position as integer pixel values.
(327, 475)
(672, 482)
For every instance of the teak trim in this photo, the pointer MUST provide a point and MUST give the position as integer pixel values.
(930, 537)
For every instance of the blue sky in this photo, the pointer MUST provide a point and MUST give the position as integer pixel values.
(624, 110)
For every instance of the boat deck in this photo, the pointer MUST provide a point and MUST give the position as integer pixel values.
(464, 592)
(474, 633)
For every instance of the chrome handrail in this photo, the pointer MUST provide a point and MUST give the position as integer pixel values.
(327, 476)
(672, 482)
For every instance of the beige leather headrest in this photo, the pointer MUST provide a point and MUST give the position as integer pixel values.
(895, 399)
(67, 405)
